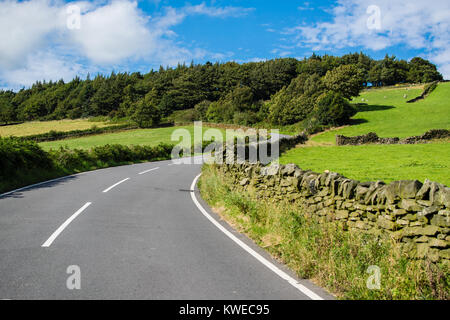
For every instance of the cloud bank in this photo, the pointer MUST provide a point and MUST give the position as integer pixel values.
(36, 42)
(417, 24)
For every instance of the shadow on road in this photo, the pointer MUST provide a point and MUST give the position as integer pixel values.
(19, 194)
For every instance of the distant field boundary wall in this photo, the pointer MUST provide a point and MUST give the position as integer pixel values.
(372, 138)
(61, 135)
(429, 88)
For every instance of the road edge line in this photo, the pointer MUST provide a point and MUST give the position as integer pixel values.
(293, 282)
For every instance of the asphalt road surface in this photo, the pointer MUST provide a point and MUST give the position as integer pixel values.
(132, 232)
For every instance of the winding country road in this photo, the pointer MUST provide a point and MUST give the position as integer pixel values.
(136, 232)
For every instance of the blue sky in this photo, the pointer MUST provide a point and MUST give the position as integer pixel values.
(48, 39)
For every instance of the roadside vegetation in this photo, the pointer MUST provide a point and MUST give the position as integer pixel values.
(331, 258)
(24, 162)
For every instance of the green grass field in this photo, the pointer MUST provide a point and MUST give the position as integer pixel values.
(393, 117)
(38, 127)
(377, 162)
(388, 115)
(149, 137)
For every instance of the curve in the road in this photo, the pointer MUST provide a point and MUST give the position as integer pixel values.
(141, 238)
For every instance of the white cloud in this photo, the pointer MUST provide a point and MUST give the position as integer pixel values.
(36, 44)
(113, 32)
(218, 12)
(42, 66)
(417, 24)
(24, 28)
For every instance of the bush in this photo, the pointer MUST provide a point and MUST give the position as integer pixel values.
(333, 109)
(24, 162)
(220, 111)
(344, 79)
(17, 155)
(183, 116)
(245, 118)
(295, 102)
(201, 109)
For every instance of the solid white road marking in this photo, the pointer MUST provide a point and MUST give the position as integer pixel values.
(64, 225)
(256, 255)
(115, 185)
(149, 170)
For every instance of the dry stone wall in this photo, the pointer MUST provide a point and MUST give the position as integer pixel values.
(415, 214)
(372, 138)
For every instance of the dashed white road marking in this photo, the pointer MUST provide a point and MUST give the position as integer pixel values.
(115, 185)
(147, 171)
(312, 295)
(64, 225)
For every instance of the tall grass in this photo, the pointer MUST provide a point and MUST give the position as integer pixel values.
(335, 259)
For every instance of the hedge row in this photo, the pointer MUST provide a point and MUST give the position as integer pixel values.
(59, 135)
(24, 162)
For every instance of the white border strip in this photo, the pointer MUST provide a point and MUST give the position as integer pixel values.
(64, 225)
(256, 255)
(115, 185)
(149, 170)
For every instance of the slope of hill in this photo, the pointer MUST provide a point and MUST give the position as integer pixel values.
(388, 115)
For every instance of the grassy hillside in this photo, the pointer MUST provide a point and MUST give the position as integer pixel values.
(38, 127)
(388, 114)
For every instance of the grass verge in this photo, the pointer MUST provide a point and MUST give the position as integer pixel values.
(330, 257)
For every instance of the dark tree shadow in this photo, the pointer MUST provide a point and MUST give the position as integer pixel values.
(372, 107)
(49, 184)
(10, 124)
(357, 121)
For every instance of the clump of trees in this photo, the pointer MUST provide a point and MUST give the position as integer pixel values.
(281, 91)
(318, 100)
